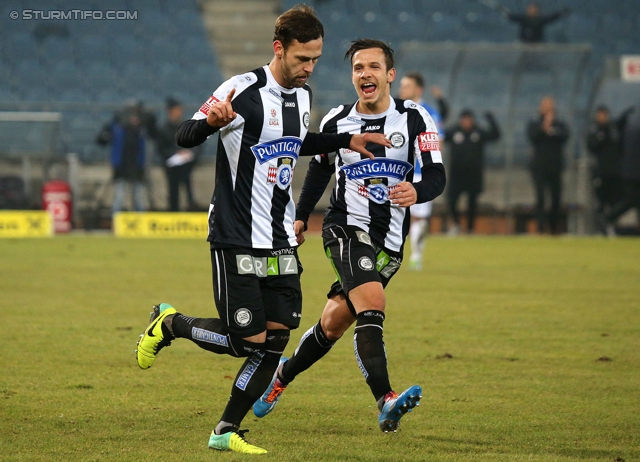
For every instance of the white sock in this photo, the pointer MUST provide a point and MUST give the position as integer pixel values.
(417, 234)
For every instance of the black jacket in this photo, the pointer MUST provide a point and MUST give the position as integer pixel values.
(548, 148)
(466, 151)
(603, 141)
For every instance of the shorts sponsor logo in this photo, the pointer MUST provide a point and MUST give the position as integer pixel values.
(207, 104)
(249, 370)
(365, 264)
(306, 118)
(380, 167)
(428, 141)
(364, 237)
(243, 317)
(397, 140)
(267, 266)
(208, 336)
(287, 146)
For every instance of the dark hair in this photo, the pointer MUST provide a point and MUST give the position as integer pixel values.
(416, 77)
(172, 102)
(602, 108)
(365, 44)
(298, 23)
(466, 113)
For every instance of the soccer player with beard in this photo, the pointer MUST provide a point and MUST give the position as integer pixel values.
(262, 117)
(365, 225)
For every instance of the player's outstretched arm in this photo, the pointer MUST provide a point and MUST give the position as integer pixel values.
(194, 132)
(359, 142)
(221, 113)
(319, 143)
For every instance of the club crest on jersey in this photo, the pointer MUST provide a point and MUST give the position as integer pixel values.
(380, 167)
(287, 146)
(284, 174)
(377, 191)
(306, 118)
(397, 140)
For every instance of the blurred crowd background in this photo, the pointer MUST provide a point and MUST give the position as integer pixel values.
(74, 90)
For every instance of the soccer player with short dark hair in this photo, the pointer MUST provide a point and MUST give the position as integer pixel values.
(365, 225)
(262, 117)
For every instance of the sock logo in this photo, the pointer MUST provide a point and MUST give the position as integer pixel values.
(249, 370)
(243, 317)
(209, 337)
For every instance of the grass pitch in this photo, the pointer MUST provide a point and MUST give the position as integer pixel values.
(526, 349)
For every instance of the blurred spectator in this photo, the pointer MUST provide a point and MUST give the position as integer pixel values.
(411, 88)
(603, 141)
(548, 136)
(630, 167)
(465, 172)
(178, 162)
(532, 22)
(125, 134)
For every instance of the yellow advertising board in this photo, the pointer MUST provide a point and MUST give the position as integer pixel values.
(25, 223)
(161, 224)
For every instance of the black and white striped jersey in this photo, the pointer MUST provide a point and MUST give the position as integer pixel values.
(361, 194)
(252, 204)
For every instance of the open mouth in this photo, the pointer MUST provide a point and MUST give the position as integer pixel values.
(368, 88)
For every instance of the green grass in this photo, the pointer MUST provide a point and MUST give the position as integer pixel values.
(525, 321)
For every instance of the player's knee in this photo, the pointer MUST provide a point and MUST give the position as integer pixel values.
(241, 348)
(334, 327)
(277, 340)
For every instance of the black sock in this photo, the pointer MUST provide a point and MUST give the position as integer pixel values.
(254, 377)
(212, 335)
(313, 345)
(370, 353)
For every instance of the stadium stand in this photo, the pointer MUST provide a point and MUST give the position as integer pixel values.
(87, 69)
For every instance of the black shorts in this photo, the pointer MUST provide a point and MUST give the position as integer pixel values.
(253, 286)
(357, 260)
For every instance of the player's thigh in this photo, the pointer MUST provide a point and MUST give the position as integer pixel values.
(281, 292)
(282, 299)
(352, 255)
(237, 292)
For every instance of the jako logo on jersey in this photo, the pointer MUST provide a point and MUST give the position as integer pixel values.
(377, 168)
(289, 104)
(287, 146)
(372, 128)
(428, 141)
